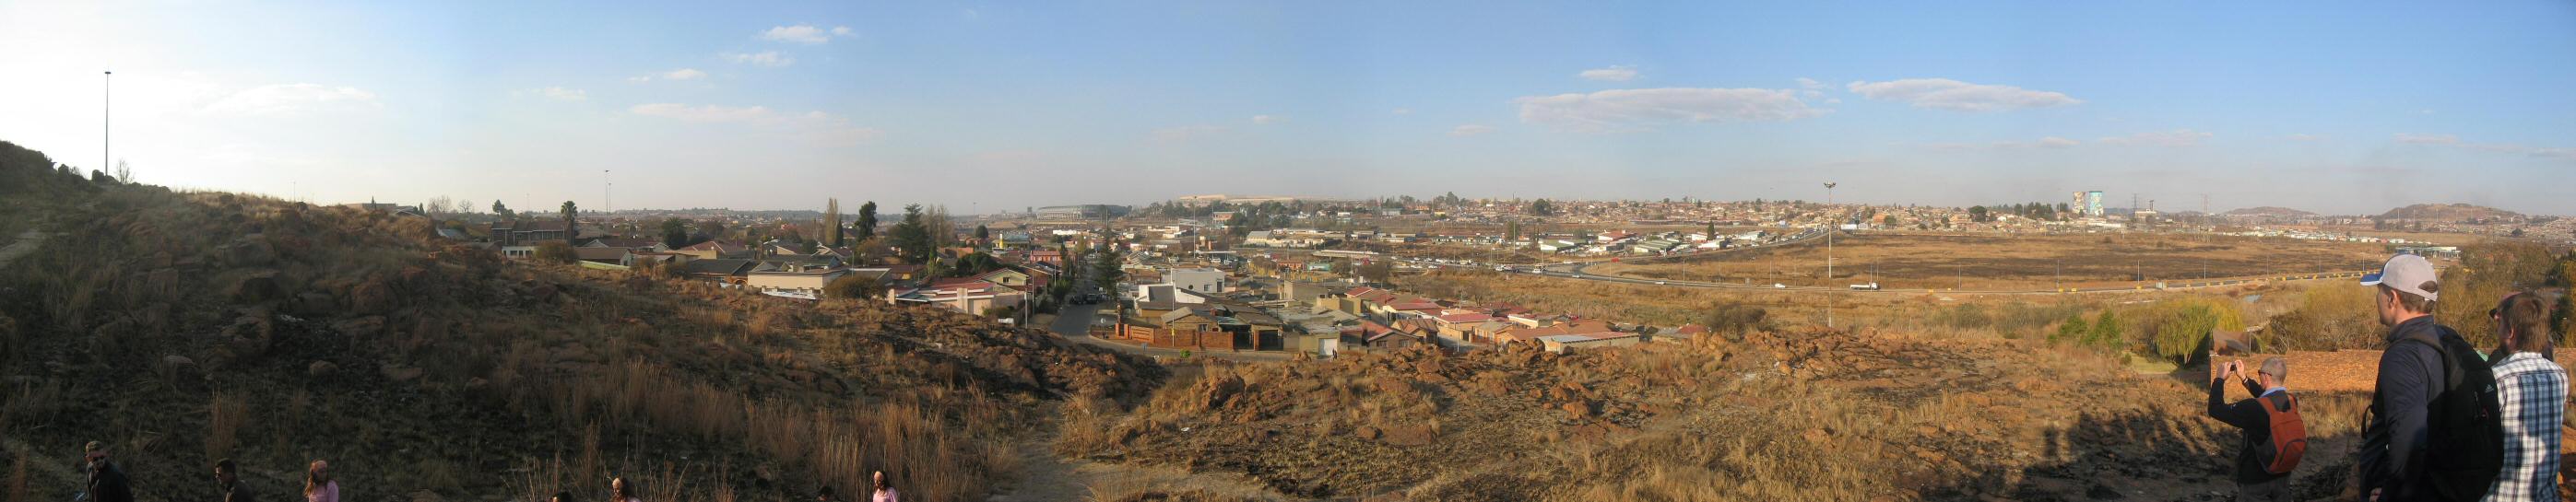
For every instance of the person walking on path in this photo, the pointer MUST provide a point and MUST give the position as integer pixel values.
(228, 479)
(884, 492)
(2433, 431)
(107, 482)
(318, 486)
(620, 490)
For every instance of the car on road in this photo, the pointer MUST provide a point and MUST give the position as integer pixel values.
(1659, 283)
(1776, 285)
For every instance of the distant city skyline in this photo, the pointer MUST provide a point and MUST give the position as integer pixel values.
(2334, 108)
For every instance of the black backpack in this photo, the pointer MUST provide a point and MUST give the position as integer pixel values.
(2464, 450)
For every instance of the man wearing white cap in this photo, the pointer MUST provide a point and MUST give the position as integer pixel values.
(2428, 435)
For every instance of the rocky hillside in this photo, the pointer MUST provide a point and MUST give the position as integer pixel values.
(2451, 213)
(183, 327)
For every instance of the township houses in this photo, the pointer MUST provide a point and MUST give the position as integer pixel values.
(715, 249)
(795, 278)
(529, 232)
(969, 295)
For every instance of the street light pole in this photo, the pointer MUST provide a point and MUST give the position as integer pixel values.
(1831, 227)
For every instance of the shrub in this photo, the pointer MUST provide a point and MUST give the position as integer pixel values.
(556, 251)
(2178, 328)
(2073, 329)
(2106, 333)
(2335, 316)
(853, 286)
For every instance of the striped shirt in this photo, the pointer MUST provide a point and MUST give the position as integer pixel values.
(2533, 391)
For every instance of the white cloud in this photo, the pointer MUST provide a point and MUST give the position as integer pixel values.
(1946, 94)
(1267, 119)
(679, 74)
(2051, 143)
(803, 34)
(2428, 139)
(554, 93)
(1810, 84)
(1616, 73)
(1634, 109)
(1470, 130)
(1185, 133)
(2173, 138)
(763, 58)
(2507, 148)
(2306, 137)
(704, 113)
(294, 99)
(812, 126)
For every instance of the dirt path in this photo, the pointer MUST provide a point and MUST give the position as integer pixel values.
(1047, 477)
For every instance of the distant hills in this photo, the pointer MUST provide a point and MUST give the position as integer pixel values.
(2268, 211)
(2448, 212)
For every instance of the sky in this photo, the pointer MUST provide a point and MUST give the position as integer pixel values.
(2334, 107)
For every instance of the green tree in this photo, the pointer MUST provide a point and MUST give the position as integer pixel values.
(2182, 325)
(982, 233)
(675, 233)
(2106, 333)
(867, 220)
(973, 264)
(2073, 329)
(1105, 267)
(1542, 208)
(503, 210)
(912, 239)
(570, 228)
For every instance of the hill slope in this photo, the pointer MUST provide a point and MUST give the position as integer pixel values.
(2268, 211)
(183, 327)
(2449, 212)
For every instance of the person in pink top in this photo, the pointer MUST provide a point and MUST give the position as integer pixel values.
(621, 491)
(885, 492)
(318, 486)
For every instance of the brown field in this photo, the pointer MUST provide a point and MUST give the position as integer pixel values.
(1911, 261)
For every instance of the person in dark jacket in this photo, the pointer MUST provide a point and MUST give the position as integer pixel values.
(2254, 482)
(2393, 444)
(228, 479)
(107, 483)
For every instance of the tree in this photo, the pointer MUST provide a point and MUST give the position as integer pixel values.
(983, 234)
(2073, 329)
(675, 233)
(503, 211)
(832, 222)
(911, 238)
(2106, 332)
(1381, 270)
(973, 264)
(1105, 267)
(1542, 208)
(1512, 232)
(713, 228)
(1977, 214)
(867, 220)
(853, 286)
(556, 251)
(569, 229)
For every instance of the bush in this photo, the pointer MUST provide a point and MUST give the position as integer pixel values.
(2178, 329)
(557, 252)
(853, 286)
(2073, 329)
(2333, 316)
(1736, 319)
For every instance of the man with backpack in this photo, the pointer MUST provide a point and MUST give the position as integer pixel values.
(2275, 437)
(2434, 431)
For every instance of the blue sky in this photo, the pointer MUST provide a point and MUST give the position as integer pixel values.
(2331, 107)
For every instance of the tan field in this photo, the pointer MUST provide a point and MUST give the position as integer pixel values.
(2038, 262)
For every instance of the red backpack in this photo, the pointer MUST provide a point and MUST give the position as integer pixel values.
(2289, 434)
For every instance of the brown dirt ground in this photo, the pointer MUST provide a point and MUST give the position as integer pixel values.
(1982, 262)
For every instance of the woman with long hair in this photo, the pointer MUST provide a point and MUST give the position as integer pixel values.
(318, 486)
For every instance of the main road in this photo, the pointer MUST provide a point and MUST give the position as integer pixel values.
(1579, 270)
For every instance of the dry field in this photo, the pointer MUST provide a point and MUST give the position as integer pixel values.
(2034, 262)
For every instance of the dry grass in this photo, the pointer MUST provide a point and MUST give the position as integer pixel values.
(2027, 262)
(225, 415)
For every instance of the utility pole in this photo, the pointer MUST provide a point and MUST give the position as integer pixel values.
(607, 193)
(1831, 228)
(106, 117)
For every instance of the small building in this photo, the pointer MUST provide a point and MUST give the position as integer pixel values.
(804, 283)
(1197, 280)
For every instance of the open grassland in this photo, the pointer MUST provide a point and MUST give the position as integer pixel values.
(2029, 262)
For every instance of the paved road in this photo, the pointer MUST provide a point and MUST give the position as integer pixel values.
(1074, 320)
